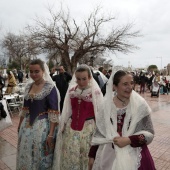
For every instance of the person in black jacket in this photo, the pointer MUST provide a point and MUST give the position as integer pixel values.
(20, 76)
(2, 84)
(95, 76)
(143, 80)
(62, 82)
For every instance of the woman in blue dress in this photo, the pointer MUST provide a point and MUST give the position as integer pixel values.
(38, 120)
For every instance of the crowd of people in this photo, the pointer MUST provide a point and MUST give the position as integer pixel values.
(11, 80)
(91, 120)
(147, 80)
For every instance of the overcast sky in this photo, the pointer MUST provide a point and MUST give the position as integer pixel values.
(151, 17)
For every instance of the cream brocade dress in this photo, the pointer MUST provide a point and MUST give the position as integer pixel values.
(76, 144)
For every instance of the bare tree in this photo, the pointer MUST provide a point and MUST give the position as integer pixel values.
(71, 41)
(19, 48)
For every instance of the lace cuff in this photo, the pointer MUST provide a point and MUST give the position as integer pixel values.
(53, 116)
(23, 112)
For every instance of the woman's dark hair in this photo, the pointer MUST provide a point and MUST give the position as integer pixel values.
(82, 68)
(118, 75)
(39, 62)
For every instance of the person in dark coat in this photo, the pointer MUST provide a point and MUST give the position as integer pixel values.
(62, 82)
(109, 73)
(20, 76)
(95, 76)
(143, 80)
(150, 82)
(2, 84)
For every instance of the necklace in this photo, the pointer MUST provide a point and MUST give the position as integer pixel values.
(123, 102)
(32, 96)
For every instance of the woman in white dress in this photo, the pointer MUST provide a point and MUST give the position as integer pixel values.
(124, 127)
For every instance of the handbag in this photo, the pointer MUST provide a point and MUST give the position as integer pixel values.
(5, 122)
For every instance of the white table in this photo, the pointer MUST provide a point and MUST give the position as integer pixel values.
(9, 97)
(12, 102)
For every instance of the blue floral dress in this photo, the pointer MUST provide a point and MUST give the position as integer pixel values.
(38, 111)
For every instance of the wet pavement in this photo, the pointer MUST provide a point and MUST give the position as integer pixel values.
(8, 145)
(160, 147)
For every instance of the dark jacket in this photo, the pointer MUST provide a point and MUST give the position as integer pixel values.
(2, 84)
(62, 83)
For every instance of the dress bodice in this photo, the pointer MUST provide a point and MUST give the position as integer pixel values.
(41, 103)
(82, 107)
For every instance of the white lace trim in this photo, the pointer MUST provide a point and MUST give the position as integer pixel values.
(121, 111)
(53, 117)
(85, 95)
(39, 96)
(139, 157)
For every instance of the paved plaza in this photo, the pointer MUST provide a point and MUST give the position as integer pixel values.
(160, 147)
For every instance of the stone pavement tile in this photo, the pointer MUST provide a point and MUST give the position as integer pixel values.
(10, 134)
(161, 164)
(160, 146)
(6, 149)
(2, 165)
(165, 156)
(10, 161)
(10, 139)
(7, 155)
(168, 150)
(8, 145)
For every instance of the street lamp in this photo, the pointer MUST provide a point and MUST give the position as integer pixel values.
(168, 69)
(161, 61)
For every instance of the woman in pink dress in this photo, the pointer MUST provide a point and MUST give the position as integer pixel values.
(77, 123)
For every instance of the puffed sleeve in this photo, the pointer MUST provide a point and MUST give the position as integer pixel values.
(52, 100)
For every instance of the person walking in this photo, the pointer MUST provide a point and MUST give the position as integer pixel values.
(38, 120)
(124, 127)
(11, 83)
(77, 121)
(20, 76)
(62, 82)
(2, 84)
(142, 80)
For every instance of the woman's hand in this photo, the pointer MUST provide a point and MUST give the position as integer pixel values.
(121, 141)
(90, 164)
(50, 142)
